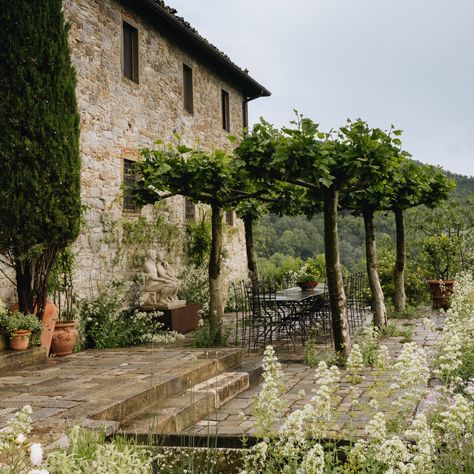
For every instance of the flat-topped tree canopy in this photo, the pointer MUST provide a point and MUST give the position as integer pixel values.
(180, 31)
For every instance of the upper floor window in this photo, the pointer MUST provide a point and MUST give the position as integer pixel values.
(225, 111)
(130, 52)
(129, 179)
(229, 218)
(189, 210)
(188, 88)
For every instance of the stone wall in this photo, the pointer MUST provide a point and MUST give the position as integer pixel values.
(119, 116)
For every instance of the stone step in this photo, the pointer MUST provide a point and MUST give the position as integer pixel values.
(133, 399)
(15, 360)
(177, 413)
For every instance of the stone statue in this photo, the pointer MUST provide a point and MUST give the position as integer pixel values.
(161, 284)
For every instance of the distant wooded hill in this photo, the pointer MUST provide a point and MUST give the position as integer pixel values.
(299, 237)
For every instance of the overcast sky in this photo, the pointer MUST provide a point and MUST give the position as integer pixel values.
(410, 63)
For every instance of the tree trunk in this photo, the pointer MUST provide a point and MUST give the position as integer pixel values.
(252, 265)
(215, 284)
(378, 300)
(337, 297)
(399, 270)
(24, 285)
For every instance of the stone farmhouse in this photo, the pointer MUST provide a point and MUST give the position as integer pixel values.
(143, 73)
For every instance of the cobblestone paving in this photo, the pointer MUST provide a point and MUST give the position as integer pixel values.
(71, 388)
(235, 417)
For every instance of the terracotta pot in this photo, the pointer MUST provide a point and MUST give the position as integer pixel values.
(308, 285)
(64, 339)
(441, 291)
(50, 317)
(20, 341)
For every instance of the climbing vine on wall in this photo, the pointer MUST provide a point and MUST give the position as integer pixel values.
(132, 236)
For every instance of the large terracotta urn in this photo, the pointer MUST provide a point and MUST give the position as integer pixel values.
(441, 291)
(64, 339)
(50, 316)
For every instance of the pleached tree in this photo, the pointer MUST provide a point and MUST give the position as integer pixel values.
(325, 165)
(377, 196)
(212, 178)
(39, 145)
(414, 185)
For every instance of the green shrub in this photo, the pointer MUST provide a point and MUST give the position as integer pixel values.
(278, 266)
(415, 285)
(317, 267)
(199, 242)
(105, 324)
(204, 336)
(195, 286)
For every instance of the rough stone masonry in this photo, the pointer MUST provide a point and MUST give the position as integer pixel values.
(118, 116)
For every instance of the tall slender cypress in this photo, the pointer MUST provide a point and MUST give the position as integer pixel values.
(39, 144)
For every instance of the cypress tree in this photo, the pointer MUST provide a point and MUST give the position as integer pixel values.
(39, 144)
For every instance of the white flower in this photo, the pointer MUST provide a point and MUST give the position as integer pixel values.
(38, 471)
(313, 461)
(355, 361)
(20, 439)
(36, 454)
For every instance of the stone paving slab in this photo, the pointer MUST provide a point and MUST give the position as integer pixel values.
(235, 417)
(84, 384)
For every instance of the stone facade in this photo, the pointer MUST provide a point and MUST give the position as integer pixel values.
(118, 116)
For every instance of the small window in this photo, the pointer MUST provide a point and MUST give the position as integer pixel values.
(189, 210)
(188, 88)
(245, 114)
(129, 179)
(229, 218)
(130, 52)
(225, 111)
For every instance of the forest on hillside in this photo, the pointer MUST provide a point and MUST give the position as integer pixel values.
(285, 243)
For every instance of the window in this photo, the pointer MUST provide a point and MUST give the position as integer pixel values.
(245, 114)
(129, 179)
(229, 218)
(225, 111)
(188, 88)
(130, 52)
(189, 210)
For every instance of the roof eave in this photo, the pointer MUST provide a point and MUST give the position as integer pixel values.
(252, 88)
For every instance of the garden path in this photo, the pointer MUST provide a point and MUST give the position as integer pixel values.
(235, 417)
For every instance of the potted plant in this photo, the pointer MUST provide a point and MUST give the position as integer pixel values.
(440, 258)
(61, 285)
(312, 272)
(308, 281)
(20, 328)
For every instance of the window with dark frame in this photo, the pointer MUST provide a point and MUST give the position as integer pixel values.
(225, 111)
(229, 218)
(130, 52)
(188, 88)
(129, 179)
(189, 210)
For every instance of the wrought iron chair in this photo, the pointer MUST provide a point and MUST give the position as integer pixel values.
(269, 320)
(315, 319)
(354, 289)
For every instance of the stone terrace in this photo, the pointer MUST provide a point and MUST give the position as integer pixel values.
(101, 387)
(235, 418)
(144, 389)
